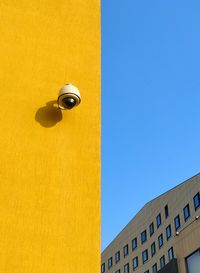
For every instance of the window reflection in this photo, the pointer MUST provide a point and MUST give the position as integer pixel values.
(193, 262)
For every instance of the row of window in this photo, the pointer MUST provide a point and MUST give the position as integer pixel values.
(186, 212)
(145, 252)
(177, 226)
(145, 256)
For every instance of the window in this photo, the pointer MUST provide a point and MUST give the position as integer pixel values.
(177, 222)
(162, 261)
(134, 243)
(193, 262)
(117, 257)
(170, 254)
(125, 249)
(145, 255)
(154, 268)
(166, 211)
(168, 232)
(135, 263)
(186, 212)
(158, 220)
(160, 241)
(126, 268)
(118, 271)
(146, 271)
(103, 268)
(196, 200)
(110, 263)
(143, 236)
(153, 249)
(151, 229)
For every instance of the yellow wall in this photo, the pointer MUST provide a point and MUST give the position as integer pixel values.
(49, 161)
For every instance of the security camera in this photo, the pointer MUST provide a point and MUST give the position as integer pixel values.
(177, 233)
(68, 97)
(196, 217)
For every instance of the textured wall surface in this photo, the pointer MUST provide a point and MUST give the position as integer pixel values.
(49, 161)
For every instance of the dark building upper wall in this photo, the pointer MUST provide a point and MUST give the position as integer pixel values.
(171, 267)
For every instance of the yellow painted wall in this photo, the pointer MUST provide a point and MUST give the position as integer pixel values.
(49, 161)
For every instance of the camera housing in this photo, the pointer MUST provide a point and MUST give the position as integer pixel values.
(68, 97)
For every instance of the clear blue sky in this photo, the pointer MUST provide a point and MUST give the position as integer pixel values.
(150, 103)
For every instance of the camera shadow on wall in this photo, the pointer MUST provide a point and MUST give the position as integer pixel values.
(49, 115)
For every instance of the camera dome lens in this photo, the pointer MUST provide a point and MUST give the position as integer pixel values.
(69, 102)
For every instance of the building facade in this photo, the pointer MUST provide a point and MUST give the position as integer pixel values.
(163, 237)
(49, 159)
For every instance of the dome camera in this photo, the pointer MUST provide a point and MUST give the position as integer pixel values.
(68, 97)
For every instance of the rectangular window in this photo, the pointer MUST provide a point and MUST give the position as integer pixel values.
(168, 232)
(166, 211)
(126, 268)
(118, 271)
(103, 268)
(145, 256)
(143, 236)
(177, 223)
(162, 261)
(117, 257)
(134, 243)
(160, 241)
(125, 250)
(170, 254)
(146, 271)
(158, 220)
(186, 212)
(110, 262)
(193, 262)
(151, 229)
(154, 268)
(135, 263)
(196, 200)
(153, 249)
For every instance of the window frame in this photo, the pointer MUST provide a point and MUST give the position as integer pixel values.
(179, 221)
(117, 256)
(156, 267)
(162, 259)
(145, 236)
(137, 263)
(196, 207)
(170, 250)
(153, 247)
(158, 220)
(134, 243)
(168, 236)
(145, 256)
(126, 266)
(186, 212)
(160, 237)
(151, 229)
(103, 268)
(166, 211)
(125, 250)
(110, 262)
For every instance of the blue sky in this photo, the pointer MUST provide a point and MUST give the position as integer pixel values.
(150, 103)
